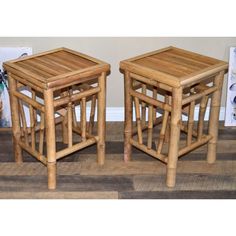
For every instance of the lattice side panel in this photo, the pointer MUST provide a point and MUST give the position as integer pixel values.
(149, 112)
(195, 130)
(32, 121)
(78, 115)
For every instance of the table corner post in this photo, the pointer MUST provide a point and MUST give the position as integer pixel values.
(176, 114)
(128, 117)
(50, 138)
(101, 119)
(214, 117)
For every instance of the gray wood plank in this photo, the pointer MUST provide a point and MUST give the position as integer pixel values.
(190, 182)
(186, 194)
(59, 195)
(66, 183)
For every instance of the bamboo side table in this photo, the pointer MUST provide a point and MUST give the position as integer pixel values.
(171, 82)
(59, 81)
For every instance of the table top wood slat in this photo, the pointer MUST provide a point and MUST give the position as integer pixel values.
(68, 61)
(194, 56)
(162, 66)
(173, 66)
(28, 66)
(34, 55)
(178, 60)
(82, 55)
(183, 68)
(74, 58)
(63, 62)
(58, 64)
(54, 64)
(50, 68)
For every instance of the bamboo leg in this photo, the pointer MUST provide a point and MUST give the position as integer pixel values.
(203, 105)
(24, 124)
(64, 123)
(190, 123)
(83, 118)
(65, 129)
(174, 136)
(128, 118)
(162, 132)
(32, 121)
(92, 114)
(144, 90)
(167, 131)
(69, 124)
(15, 120)
(138, 120)
(50, 138)
(101, 119)
(41, 133)
(154, 95)
(74, 116)
(150, 126)
(214, 118)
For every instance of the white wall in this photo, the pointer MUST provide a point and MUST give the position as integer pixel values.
(115, 49)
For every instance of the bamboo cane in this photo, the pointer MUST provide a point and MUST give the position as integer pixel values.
(101, 118)
(199, 95)
(75, 97)
(92, 114)
(69, 124)
(151, 152)
(194, 145)
(50, 138)
(83, 118)
(162, 132)
(34, 153)
(154, 96)
(15, 119)
(174, 136)
(150, 126)
(28, 100)
(151, 82)
(214, 117)
(167, 130)
(41, 133)
(32, 121)
(157, 122)
(75, 147)
(64, 125)
(150, 100)
(190, 123)
(74, 118)
(202, 112)
(78, 131)
(128, 117)
(138, 120)
(23, 121)
(143, 106)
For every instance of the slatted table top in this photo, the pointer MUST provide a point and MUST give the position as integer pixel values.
(54, 67)
(173, 66)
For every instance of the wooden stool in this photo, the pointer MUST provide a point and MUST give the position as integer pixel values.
(171, 81)
(58, 82)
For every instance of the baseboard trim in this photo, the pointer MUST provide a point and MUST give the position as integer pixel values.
(117, 114)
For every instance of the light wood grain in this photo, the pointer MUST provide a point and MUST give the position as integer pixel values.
(181, 76)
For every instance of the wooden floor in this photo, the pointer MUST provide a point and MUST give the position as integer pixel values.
(79, 176)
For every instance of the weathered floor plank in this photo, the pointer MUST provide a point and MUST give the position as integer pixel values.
(189, 181)
(142, 167)
(79, 175)
(59, 195)
(66, 183)
(186, 194)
